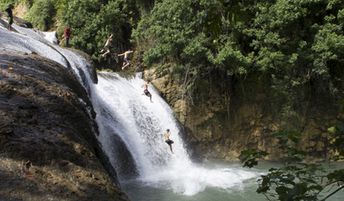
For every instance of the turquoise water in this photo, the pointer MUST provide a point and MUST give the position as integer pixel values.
(246, 191)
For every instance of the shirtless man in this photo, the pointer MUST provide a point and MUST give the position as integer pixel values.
(126, 61)
(146, 92)
(107, 47)
(167, 139)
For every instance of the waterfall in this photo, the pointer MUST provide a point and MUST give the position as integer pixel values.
(131, 127)
(140, 124)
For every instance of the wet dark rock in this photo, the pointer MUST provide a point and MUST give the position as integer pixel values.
(44, 121)
(125, 163)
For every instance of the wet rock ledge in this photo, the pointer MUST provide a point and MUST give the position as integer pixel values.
(48, 149)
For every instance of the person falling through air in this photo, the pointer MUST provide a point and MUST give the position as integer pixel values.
(168, 140)
(146, 92)
(126, 61)
(107, 47)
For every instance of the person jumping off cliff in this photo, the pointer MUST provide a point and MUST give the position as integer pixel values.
(146, 92)
(126, 61)
(107, 47)
(10, 16)
(168, 140)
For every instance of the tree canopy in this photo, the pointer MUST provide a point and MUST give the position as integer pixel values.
(294, 40)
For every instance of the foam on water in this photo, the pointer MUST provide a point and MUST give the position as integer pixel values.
(191, 180)
(50, 36)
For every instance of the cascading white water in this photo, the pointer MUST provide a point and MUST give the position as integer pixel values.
(122, 110)
(141, 124)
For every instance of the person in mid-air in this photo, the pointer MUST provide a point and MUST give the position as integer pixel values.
(10, 16)
(146, 92)
(167, 139)
(107, 47)
(126, 61)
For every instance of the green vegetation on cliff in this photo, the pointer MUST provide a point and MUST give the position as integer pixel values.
(271, 64)
(298, 180)
(293, 42)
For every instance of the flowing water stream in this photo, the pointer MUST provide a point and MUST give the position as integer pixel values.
(131, 129)
(140, 124)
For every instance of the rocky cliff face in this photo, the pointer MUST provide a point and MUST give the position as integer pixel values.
(226, 118)
(48, 149)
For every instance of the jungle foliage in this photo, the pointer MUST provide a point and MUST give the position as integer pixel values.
(295, 43)
(297, 179)
(298, 45)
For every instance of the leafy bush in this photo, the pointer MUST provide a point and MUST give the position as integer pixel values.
(4, 4)
(195, 35)
(298, 180)
(41, 14)
(92, 21)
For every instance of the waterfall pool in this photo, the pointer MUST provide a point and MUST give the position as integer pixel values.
(141, 192)
(138, 190)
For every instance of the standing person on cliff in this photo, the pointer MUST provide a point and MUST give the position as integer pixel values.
(10, 16)
(67, 33)
(167, 135)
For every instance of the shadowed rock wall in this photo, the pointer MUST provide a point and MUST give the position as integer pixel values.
(229, 115)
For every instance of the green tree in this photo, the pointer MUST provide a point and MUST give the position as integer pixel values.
(41, 14)
(297, 180)
(93, 20)
(199, 37)
(294, 43)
